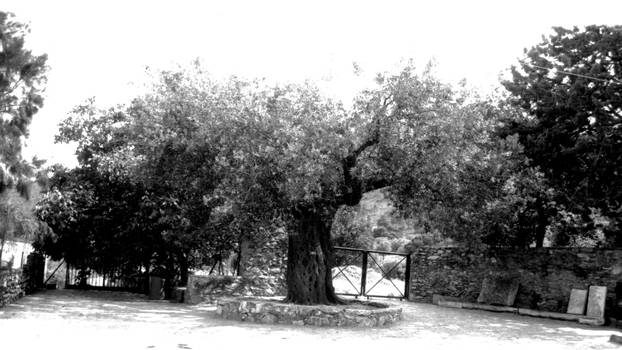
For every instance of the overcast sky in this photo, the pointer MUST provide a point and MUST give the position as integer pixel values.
(101, 48)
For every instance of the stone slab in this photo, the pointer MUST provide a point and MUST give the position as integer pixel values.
(616, 339)
(592, 321)
(447, 303)
(493, 308)
(525, 312)
(436, 298)
(596, 302)
(521, 311)
(498, 291)
(549, 314)
(577, 302)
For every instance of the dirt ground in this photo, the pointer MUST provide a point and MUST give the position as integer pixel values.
(65, 319)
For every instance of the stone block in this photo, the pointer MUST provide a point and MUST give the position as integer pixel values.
(436, 298)
(486, 307)
(447, 303)
(592, 321)
(498, 290)
(616, 339)
(596, 302)
(576, 304)
(549, 314)
(269, 319)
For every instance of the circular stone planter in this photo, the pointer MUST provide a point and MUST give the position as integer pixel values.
(355, 314)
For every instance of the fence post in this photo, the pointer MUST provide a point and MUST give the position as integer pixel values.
(364, 273)
(407, 278)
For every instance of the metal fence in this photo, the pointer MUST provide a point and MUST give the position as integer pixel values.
(371, 273)
(89, 279)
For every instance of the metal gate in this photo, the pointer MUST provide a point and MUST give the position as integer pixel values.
(371, 273)
(89, 279)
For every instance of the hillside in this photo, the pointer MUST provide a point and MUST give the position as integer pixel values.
(375, 223)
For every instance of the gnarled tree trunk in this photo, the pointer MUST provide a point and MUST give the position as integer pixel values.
(309, 277)
(309, 263)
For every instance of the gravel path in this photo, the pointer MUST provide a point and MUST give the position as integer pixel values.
(65, 319)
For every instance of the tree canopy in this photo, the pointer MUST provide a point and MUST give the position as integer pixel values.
(570, 86)
(197, 165)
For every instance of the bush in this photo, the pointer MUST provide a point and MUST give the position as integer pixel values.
(392, 271)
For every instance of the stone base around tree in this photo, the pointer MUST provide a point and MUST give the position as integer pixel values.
(356, 314)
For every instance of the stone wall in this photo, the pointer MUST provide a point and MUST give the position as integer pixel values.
(10, 289)
(546, 275)
(262, 269)
(208, 288)
(361, 314)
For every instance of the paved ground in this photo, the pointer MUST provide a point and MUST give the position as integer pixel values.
(66, 319)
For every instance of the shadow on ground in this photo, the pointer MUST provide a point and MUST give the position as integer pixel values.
(66, 319)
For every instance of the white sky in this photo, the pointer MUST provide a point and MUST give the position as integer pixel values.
(98, 48)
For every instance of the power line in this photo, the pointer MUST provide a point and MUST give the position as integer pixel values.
(613, 80)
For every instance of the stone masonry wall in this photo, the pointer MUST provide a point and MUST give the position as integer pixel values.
(209, 288)
(546, 275)
(10, 289)
(362, 314)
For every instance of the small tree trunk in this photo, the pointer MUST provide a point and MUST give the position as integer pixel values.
(542, 223)
(5, 229)
(244, 253)
(309, 277)
(145, 286)
(183, 269)
(2, 246)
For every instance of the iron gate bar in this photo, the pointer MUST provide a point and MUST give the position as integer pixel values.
(385, 276)
(371, 251)
(105, 280)
(364, 274)
(346, 276)
(407, 278)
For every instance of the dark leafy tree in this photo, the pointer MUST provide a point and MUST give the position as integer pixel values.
(570, 87)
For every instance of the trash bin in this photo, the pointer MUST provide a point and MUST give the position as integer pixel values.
(179, 294)
(156, 290)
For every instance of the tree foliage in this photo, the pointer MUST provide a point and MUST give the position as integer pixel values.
(22, 76)
(447, 168)
(196, 166)
(570, 86)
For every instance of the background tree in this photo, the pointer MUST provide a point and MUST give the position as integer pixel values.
(570, 87)
(22, 75)
(136, 208)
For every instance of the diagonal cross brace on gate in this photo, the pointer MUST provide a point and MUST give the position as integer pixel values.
(366, 254)
(385, 275)
(341, 272)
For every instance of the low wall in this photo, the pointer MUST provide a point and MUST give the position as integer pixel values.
(208, 288)
(362, 314)
(546, 275)
(10, 289)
